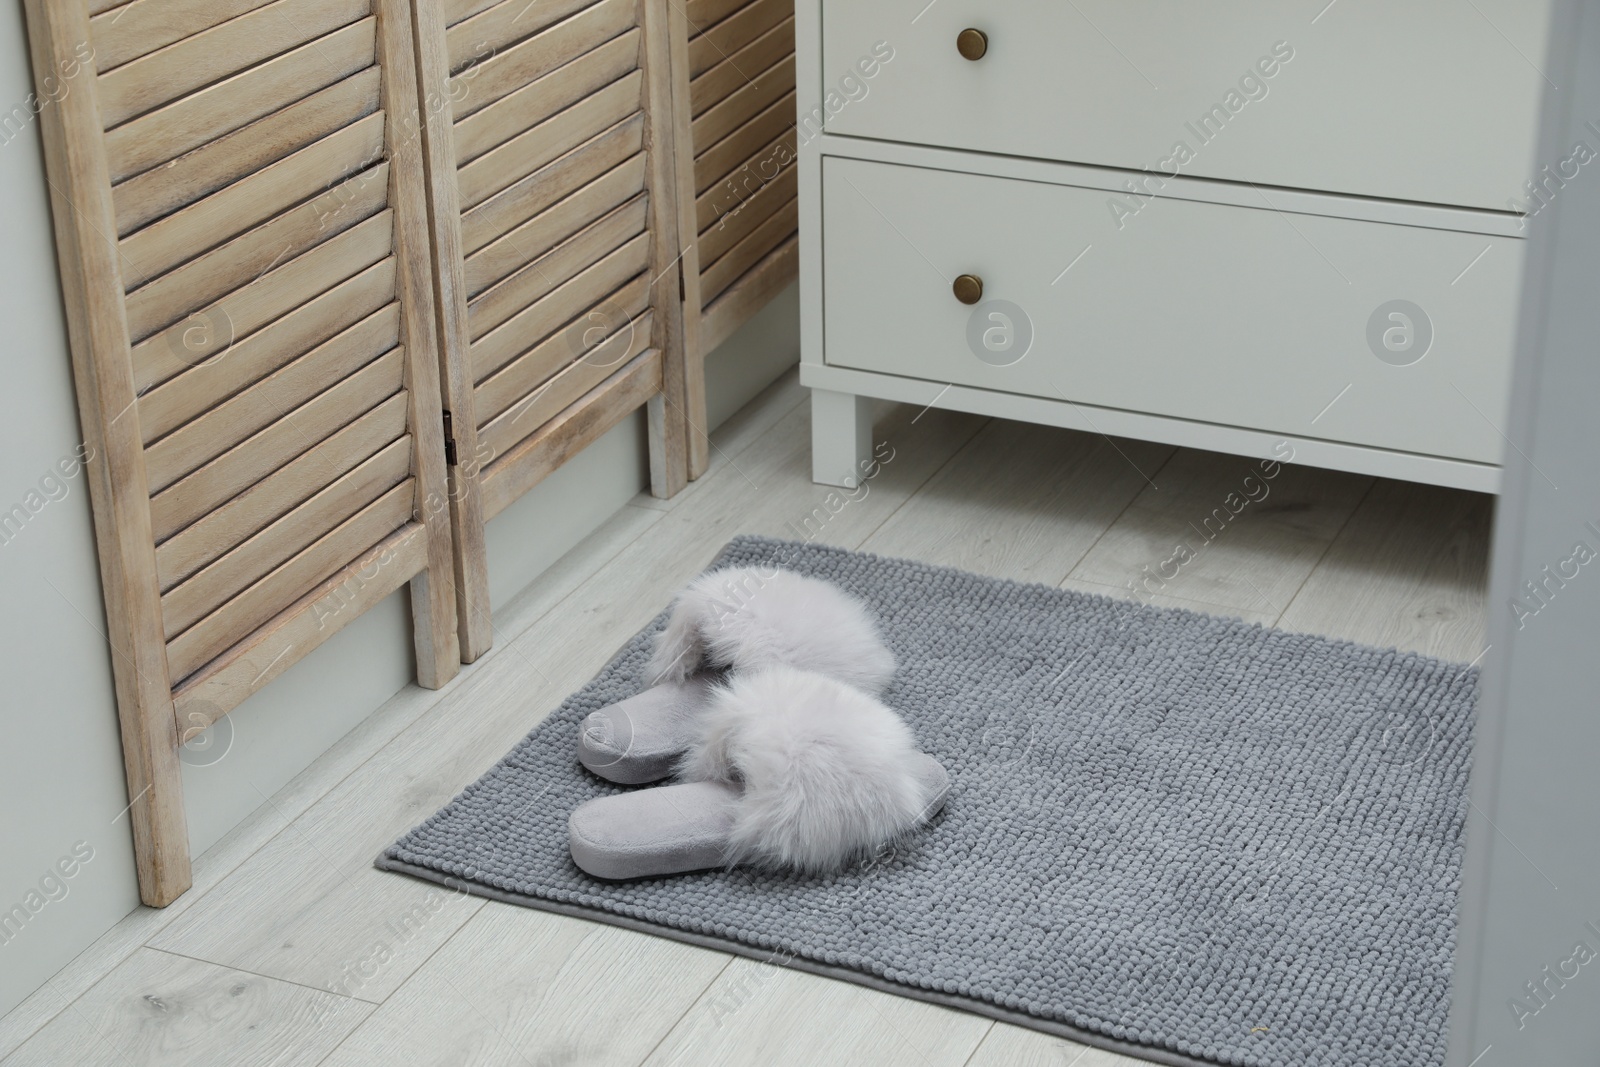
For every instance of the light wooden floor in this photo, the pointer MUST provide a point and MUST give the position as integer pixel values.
(292, 950)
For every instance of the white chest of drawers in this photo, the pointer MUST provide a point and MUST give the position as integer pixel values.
(1224, 226)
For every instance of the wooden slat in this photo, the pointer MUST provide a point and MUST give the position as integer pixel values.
(199, 173)
(538, 100)
(139, 28)
(273, 447)
(715, 162)
(301, 280)
(749, 294)
(747, 253)
(704, 14)
(504, 24)
(186, 124)
(203, 280)
(559, 391)
(230, 574)
(766, 88)
(208, 333)
(553, 313)
(453, 11)
(570, 258)
(520, 64)
(715, 43)
(230, 522)
(532, 459)
(253, 663)
(760, 168)
(227, 424)
(197, 61)
(743, 220)
(170, 405)
(519, 157)
(563, 219)
(582, 184)
(515, 205)
(720, 82)
(233, 621)
(185, 234)
(505, 397)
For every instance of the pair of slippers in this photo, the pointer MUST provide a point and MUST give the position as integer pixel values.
(764, 705)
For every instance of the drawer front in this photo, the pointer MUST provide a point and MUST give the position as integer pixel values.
(1235, 316)
(1427, 101)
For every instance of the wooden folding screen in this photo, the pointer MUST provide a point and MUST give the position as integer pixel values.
(734, 139)
(556, 237)
(241, 225)
(345, 278)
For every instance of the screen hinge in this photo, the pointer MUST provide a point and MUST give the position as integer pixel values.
(449, 442)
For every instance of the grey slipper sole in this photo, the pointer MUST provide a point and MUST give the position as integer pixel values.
(674, 829)
(637, 740)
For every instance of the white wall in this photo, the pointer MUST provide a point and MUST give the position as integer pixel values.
(60, 758)
(61, 780)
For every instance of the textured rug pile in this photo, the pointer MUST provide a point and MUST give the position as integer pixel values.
(1185, 837)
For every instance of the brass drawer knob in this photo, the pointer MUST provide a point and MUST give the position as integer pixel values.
(972, 44)
(968, 288)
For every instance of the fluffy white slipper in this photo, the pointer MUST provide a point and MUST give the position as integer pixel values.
(740, 619)
(746, 618)
(789, 769)
(638, 740)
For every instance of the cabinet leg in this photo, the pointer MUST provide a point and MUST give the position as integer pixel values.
(841, 437)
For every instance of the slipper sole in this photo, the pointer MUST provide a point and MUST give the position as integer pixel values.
(674, 829)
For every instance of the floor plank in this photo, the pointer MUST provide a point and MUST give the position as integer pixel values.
(1410, 570)
(765, 1013)
(518, 987)
(310, 908)
(1217, 530)
(1020, 501)
(1014, 1046)
(161, 1010)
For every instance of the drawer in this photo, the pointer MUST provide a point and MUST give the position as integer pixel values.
(1229, 315)
(1427, 101)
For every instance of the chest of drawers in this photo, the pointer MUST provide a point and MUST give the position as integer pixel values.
(1219, 226)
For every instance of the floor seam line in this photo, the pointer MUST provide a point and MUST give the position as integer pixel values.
(264, 977)
(726, 963)
(987, 422)
(1348, 519)
(986, 1032)
(1138, 492)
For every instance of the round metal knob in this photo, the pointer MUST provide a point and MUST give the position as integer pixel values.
(972, 44)
(968, 288)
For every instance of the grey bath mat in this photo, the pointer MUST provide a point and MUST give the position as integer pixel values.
(1184, 837)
